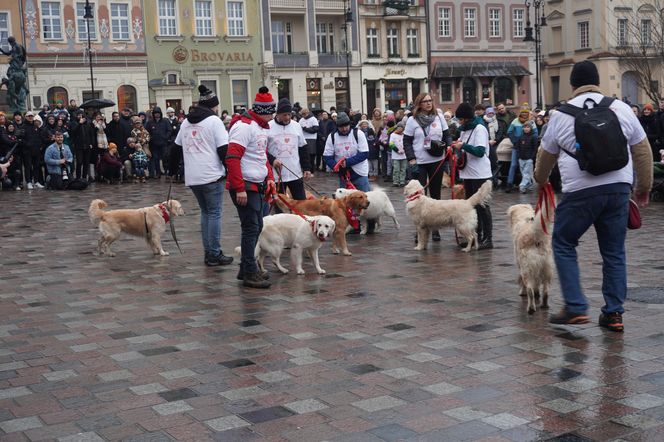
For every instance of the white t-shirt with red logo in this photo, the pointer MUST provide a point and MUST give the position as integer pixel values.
(345, 146)
(254, 140)
(422, 142)
(199, 143)
(283, 143)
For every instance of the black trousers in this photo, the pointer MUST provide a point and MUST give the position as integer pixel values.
(251, 221)
(32, 166)
(484, 219)
(427, 172)
(296, 188)
(82, 162)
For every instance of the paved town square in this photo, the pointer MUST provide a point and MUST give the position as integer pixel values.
(392, 344)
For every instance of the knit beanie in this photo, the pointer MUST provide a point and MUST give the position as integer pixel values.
(465, 111)
(583, 73)
(207, 98)
(264, 103)
(284, 106)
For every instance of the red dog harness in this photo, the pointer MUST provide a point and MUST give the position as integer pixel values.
(164, 213)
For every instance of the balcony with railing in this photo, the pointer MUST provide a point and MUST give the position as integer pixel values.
(288, 4)
(396, 8)
(331, 5)
(336, 59)
(293, 60)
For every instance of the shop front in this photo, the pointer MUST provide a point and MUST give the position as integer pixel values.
(393, 87)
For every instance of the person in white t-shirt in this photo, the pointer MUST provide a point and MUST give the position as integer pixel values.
(474, 141)
(287, 151)
(204, 142)
(399, 161)
(309, 124)
(350, 146)
(589, 200)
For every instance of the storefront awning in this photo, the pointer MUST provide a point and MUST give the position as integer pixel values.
(457, 69)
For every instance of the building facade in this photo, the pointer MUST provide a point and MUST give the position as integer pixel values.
(10, 25)
(393, 51)
(305, 53)
(477, 53)
(56, 41)
(595, 30)
(211, 42)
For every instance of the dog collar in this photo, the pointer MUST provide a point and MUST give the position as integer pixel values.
(413, 196)
(164, 213)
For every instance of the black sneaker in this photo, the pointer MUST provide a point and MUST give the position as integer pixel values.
(255, 280)
(565, 317)
(219, 260)
(485, 245)
(612, 321)
(508, 189)
(264, 274)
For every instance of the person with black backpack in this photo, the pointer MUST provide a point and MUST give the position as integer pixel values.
(348, 148)
(597, 142)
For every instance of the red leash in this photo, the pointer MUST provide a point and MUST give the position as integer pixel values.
(293, 209)
(547, 198)
(416, 195)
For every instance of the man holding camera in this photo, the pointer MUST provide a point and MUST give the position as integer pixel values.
(58, 159)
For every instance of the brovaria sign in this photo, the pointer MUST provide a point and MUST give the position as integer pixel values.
(182, 54)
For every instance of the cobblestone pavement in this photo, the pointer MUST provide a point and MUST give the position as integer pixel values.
(391, 345)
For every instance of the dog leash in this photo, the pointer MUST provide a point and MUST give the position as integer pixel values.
(172, 224)
(545, 198)
(416, 195)
(293, 209)
(303, 181)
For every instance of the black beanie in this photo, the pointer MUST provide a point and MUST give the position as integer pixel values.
(208, 98)
(465, 111)
(583, 73)
(284, 106)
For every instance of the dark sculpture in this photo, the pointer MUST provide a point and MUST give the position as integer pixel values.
(17, 76)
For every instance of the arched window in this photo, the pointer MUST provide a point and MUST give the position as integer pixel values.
(127, 97)
(57, 94)
(503, 90)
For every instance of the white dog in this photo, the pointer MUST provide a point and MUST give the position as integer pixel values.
(532, 250)
(288, 230)
(429, 214)
(379, 205)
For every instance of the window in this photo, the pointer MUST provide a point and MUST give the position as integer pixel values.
(517, 23)
(469, 22)
(445, 88)
(445, 22)
(236, 19)
(646, 32)
(503, 90)
(622, 32)
(557, 38)
(325, 38)
(171, 79)
(51, 26)
(57, 94)
(81, 25)
(313, 93)
(495, 23)
(372, 42)
(240, 94)
(583, 29)
(203, 11)
(120, 21)
(4, 30)
(392, 42)
(411, 40)
(167, 20)
(127, 97)
(282, 37)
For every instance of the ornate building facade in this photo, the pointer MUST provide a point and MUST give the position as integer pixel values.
(56, 40)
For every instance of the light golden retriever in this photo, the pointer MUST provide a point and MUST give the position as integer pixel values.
(288, 230)
(147, 222)
(379, 205)
(335, 209)
(429, 214)
(533, 254)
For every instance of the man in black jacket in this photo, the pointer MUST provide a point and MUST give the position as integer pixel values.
(115, 132)
(160, 134)
(31, 146)
(84, 137)
(125, 122)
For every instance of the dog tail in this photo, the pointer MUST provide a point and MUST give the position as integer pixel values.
(95, 211)
(482, 196)
(238, 252)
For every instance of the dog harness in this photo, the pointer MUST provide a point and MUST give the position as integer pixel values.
(414, 196)
(164, 213)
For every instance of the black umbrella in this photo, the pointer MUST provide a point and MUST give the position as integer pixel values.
(97, 103)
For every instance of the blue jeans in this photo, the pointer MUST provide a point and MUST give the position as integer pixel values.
(606, 208)
(526, 167)
(251, 220)
(360, 182)
(209, 198)
(514, 163)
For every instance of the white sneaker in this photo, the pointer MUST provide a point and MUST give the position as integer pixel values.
(39, 186)
(17, 188)
(30, 187)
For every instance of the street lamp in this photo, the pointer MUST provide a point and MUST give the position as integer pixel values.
(88, 16)
(348, 18)
(540, 22)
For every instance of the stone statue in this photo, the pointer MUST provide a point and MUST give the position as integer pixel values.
(17, 76)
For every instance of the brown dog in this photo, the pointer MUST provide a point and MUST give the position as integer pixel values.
(335, 209)
(148, 223)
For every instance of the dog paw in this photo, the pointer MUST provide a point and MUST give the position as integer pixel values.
(321, 272)
(334, 251)
(347, 253)
(300, 272)
(164, 254)
(544, 306)
(531, 310)
(418, 248)
(111, 254)
(284, 271)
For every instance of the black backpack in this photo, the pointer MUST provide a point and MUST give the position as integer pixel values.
(601, 145)
(354, 135)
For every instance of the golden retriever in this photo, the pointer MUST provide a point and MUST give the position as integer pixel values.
(335, 209)
(148, 223)
(533, 254)
(429, 214)
(288, 230)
